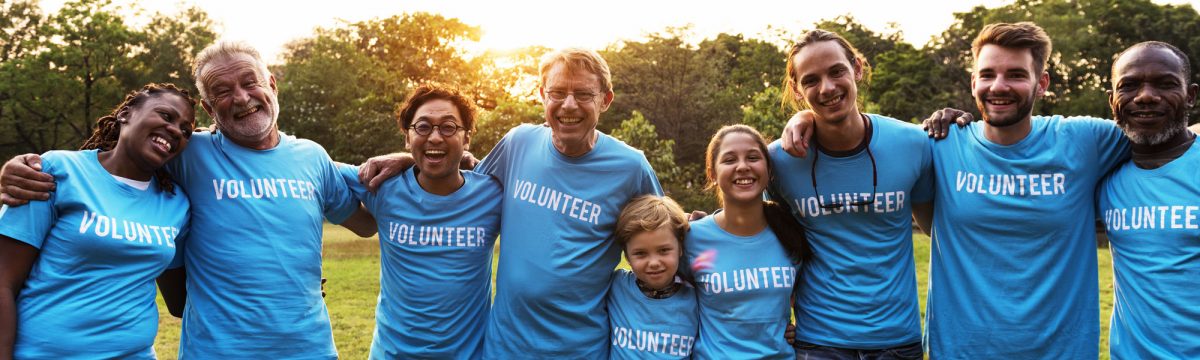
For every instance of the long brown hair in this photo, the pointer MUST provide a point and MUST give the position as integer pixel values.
(108, 127)
(790, 82)
(779, 218)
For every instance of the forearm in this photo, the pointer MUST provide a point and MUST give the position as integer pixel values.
(173, 286)
(923, 214)
(8, 322)
(361, 222)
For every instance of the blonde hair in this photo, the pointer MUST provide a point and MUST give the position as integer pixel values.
(648, 213)
(224, 50)
(578, 59)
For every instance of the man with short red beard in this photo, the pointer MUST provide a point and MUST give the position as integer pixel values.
(1019, 281)
(1150, 207)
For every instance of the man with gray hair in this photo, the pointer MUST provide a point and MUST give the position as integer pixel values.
(253, 259)
(564, 185)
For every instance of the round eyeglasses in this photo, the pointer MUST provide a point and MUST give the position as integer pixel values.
(445, 129)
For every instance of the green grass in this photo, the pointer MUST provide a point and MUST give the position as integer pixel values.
(352, 267)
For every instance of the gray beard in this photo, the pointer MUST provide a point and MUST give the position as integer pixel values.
(1157, 138)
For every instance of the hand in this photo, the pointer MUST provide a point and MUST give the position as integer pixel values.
(468, 161)
(938, 124)
(22, 180)
(789, 333)
(376, 170)
(797, 132)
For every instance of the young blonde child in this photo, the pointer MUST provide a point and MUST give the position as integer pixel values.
(651, 311)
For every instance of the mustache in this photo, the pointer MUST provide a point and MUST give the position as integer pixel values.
(252, 104)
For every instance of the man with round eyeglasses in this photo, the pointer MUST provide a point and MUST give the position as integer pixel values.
(437, 228)
(564, 185)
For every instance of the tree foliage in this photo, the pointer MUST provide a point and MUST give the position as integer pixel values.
(63, 71)
(342, 85)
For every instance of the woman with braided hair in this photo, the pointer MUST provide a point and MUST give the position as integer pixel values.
(77, 270)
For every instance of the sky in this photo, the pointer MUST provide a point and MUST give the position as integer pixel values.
(508, 24)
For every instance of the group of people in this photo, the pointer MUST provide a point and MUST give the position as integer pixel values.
(1010, 204)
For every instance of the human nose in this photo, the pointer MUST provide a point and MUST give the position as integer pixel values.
(570, 102)
(827, 87)
(999, 84)
(1145, 95)
(240, 95)
(435, 136)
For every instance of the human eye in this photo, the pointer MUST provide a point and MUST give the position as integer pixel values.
(423, 128)
(557, 94)
(584, 96)
(838, 72)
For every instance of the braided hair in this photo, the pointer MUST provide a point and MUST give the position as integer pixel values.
(108, 127)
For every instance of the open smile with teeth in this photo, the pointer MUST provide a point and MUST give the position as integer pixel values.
(1000, 102)
(163, 143)
(570, 120)
(248, 112)
(833, 101)
(743, 181)
(435, 154)
(1146, 114)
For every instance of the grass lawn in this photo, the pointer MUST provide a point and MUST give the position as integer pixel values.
(352, 266)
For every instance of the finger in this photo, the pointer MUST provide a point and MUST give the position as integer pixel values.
(33, 161)
(366, 172)
(965, 119)
(11, 201)
(785, 140)
(808, 134)
(25, 195)
(384, 174)
(28, 180)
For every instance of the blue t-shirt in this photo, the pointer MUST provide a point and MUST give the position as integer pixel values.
(557, 251)
(1152, 218)
(254, 272)
(645, 328)
(435, 282)
(860, 289)
(1013, 263)
(101, 243)
(745, 295)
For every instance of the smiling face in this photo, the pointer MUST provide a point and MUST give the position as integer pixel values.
(740, 169)
(654, 256)
(573, 122)
(1006, 85)
(1151, 97)
(825, 80)
(242, 99)
(437, 156)
(156, 130)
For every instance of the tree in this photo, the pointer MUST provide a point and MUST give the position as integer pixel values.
(1085, 34)
(62, 72)
(676, 181)
(341, 87)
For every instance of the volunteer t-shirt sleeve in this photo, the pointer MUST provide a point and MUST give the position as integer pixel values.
(31, 222)
(339, 201)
